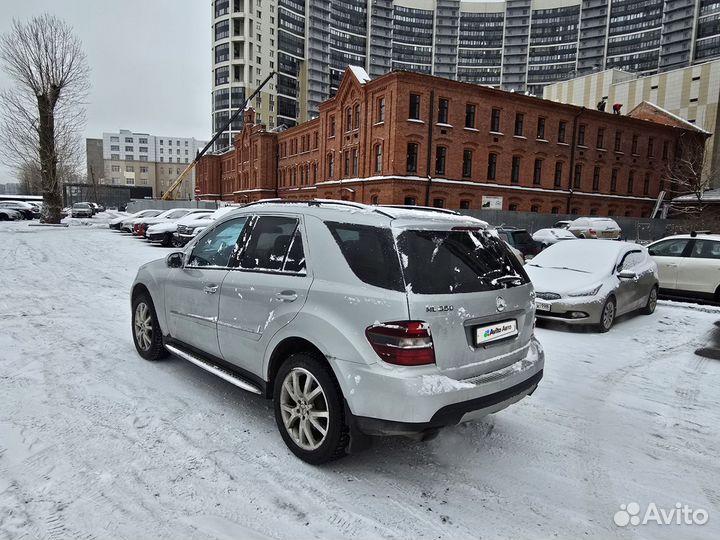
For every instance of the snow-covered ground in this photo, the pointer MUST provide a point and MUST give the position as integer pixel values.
(97, 443)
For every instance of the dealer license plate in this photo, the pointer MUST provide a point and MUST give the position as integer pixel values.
(495, 332)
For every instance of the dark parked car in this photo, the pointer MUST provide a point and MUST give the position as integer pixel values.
(521, 240)
(27, 210)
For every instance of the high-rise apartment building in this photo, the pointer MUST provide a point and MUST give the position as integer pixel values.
(140, 159)
(519, 45)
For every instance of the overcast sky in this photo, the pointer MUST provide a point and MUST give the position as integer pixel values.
(149, 60)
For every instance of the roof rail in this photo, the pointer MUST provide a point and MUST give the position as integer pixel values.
(319, 202)
(421, 208)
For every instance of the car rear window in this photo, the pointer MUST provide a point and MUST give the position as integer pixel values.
(522, 237)
(370, 253)
(451, 262)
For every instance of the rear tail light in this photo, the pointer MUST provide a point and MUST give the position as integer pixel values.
(592, 231)
(405, 343)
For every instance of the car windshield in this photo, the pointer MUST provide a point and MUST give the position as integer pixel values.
(582, 256)
(522, 237)
(80, 206)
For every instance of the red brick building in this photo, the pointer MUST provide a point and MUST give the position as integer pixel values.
(409, 138)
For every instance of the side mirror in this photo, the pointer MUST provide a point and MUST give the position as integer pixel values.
(627, 274)
(175, 260)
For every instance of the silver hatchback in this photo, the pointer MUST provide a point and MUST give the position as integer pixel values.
(355, 320)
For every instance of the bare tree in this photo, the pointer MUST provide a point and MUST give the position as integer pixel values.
(43, 113)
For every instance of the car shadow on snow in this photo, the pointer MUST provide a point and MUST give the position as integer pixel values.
(583, 328)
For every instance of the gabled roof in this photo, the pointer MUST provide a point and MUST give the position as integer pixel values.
(654, 113)
(360, 74)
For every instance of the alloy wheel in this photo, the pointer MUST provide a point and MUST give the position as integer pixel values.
(143, 326)
(608, 315)
(304, 409)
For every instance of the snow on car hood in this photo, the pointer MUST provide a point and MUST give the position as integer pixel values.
(561, 281)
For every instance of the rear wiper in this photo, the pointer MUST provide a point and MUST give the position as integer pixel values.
(506, 279)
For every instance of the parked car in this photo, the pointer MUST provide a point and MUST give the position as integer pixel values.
(548, 237)
(128, 222)
(140, 226)
(163, 232)
(595, 227)
(118, 221)
(26, 209)
(8, 214)
(521, 240)
(81, 210)
(689, 265)
(188, 230)
(356, 320)
(592, 282)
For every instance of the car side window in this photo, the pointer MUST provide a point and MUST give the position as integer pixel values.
(669, 248)
(631, 260)
(706, 249)
(216, 248)
(269, 243)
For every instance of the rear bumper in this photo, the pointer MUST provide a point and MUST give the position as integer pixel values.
(388, 401)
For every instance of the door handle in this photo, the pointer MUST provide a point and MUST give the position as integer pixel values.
(286, 296)
(210, 289)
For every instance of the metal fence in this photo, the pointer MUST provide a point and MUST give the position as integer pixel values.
(136, 205)
(638, 229)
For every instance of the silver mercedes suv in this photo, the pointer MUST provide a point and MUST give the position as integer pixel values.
(355, 320)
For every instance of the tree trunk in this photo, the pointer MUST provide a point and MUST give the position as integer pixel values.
(52, 194)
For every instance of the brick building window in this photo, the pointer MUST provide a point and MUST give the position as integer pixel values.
(535, 208)
(440, 155)
(378, 158)
(467, 163)
(631, 182)
(646, 184)
(651, 147)
(331, 128)
(412, 157)
(562, 128)
(492, 166)
(375, 200)
(464, 204)
(315, 172)
(410, 201)
(439, 203)
(355, 162)
(443, 105)
(541, 129)
(513, 207)
(347, 163)
(537, 172)
(596, 179)
(380, 110)
(581, 134)
(634, 145)
(577, 182)
(601, 138)
(555, 210)
(470, 116)
(356, 121)
(613, 181)
(414, 107)
(593, 211)
(557, 182)
(315, 140)
(515, 170)
(519, 124)
(348, 119)
(666, 146)
(618, 140)
(495, 120)
(330, 165)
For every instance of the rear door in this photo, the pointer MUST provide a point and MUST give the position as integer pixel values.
(474, 295)
(264, 291)
(192, 292)
(668, 254)
(700, 271)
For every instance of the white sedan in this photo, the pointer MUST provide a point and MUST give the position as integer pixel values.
(689, 265)
(548, 237)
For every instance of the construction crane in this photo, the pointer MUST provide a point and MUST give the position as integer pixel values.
(168, 196)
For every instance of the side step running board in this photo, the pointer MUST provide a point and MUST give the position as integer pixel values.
(215, 370)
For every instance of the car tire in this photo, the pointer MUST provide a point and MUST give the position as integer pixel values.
(651, 303)
(167, 240)
(146, 332)
(302, 417)
(607, 315)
